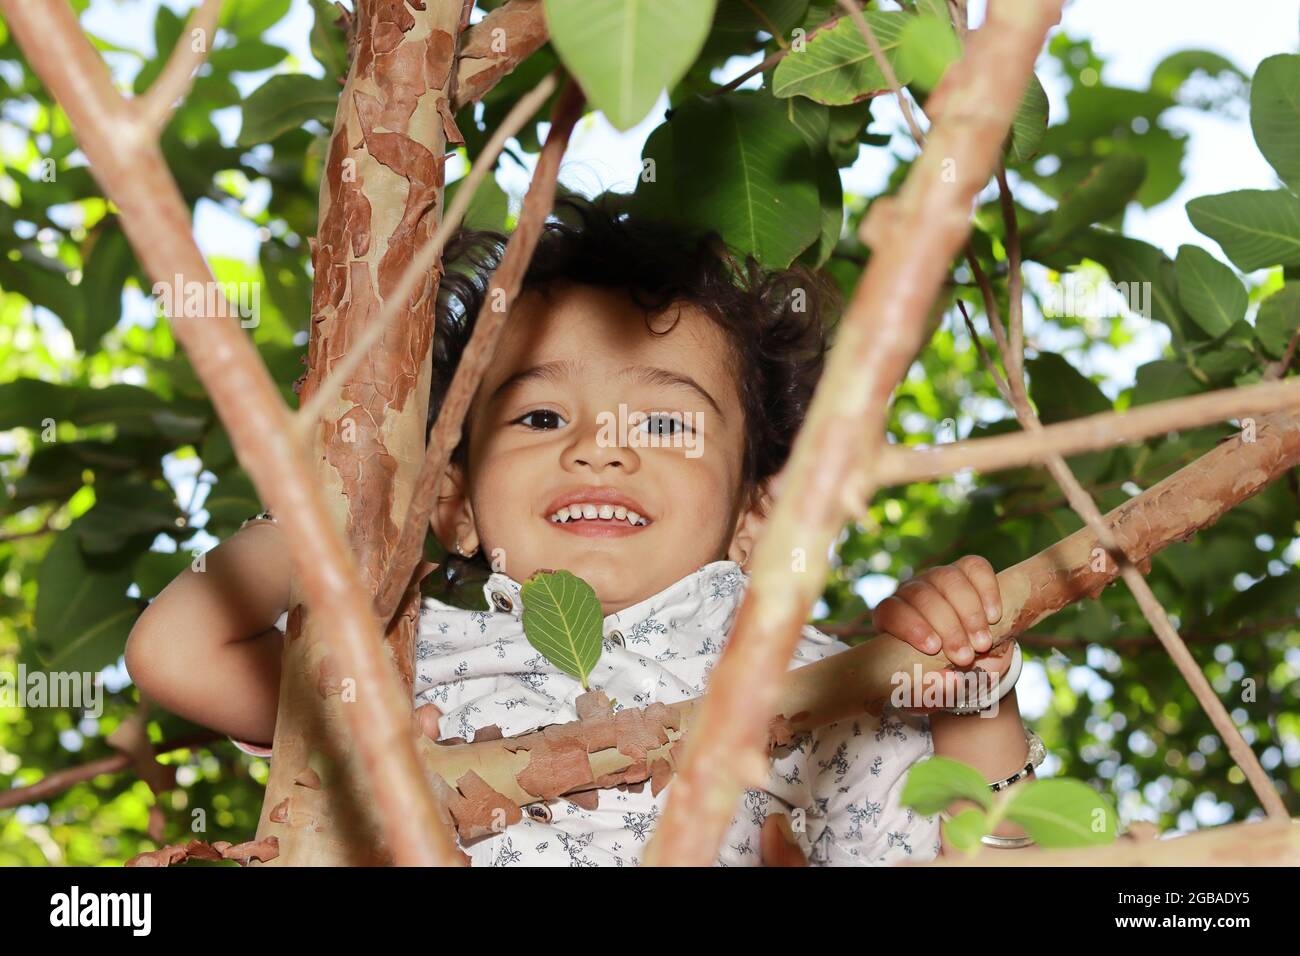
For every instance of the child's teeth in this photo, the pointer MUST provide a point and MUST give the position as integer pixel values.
(594, 511)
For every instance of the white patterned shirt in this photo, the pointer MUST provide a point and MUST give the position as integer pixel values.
(478, 668)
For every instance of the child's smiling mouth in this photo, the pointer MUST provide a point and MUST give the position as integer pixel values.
(597, 513)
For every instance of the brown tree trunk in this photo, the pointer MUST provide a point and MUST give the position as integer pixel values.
(381, 197)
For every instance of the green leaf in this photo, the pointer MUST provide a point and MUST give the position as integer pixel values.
(249, 19)
(1255, 227)
(27, 402)
(1210, 292)
(1146, 273)
(964, 830)
(1275, 114)
(489, 207)
(154, 570)
(1173, 71)
(285, 102)
(750, 16)
(83, 615)
(1277, 322)
(935, 783)
(247, 56)
(1159, 380)
(1060, 391)
(125, 511)
(750, 175)
(562, 619)
(1029, 123)
(108, 266)
(1062, 813)
(836, 66)
(329, 42)
(626, 52)
(1103, 193)
(927, 47)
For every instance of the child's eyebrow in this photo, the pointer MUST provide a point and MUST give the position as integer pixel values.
(662, 376)
(647, 374)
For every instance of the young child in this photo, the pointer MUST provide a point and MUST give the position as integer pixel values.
(644, 397)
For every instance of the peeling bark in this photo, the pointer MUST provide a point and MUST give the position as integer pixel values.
(381, 198)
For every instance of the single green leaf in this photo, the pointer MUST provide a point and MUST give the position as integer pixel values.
(744, 170)
(626, 52)
(249, 19)
(247, 56)
(284, 102)
(1275, 114)
(29, 402)
(1103, 193)
(1210, 292)
(935, 783)
(1275, 325)
(750, 16)
(489, 207)
(83, 615)
(1029, 124)
(927, 47)
(1173, 71)
(124, 511)
(1144, 275)
(1062, 813)
(329, 41)
(1060, 391)
(1255, 227)
(1160, 380)
(562, 619)
(964, 830)
(836, 66)
(109, 264)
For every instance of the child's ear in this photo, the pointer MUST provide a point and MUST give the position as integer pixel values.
(750, 523)
(453, 516)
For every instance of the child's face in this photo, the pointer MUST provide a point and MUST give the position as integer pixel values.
(564, 367)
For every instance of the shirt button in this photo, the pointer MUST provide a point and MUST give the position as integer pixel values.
(539, 812)
(616, 638)
(501, 601)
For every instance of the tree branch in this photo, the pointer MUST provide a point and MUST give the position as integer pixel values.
(903, 464)
(495, 46)
(156, 220)
(173, 83)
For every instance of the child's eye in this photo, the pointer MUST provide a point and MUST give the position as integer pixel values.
(664, 423)
(544, 419)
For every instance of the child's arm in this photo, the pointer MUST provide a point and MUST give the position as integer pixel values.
(207, 647)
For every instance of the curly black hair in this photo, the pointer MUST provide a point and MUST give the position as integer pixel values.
(776, 321)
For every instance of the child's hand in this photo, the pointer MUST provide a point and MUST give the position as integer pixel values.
(946, 608)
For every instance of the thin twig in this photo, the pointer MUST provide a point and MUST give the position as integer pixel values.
(157, 103)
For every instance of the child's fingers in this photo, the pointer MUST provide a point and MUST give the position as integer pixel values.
(924, 597)
(985, 579)
(955, 587)
(895, 616)
(426, 718)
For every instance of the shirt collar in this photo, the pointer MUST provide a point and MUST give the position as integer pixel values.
(502, 592)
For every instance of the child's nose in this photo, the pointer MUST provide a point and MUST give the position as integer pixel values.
(598, 447)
